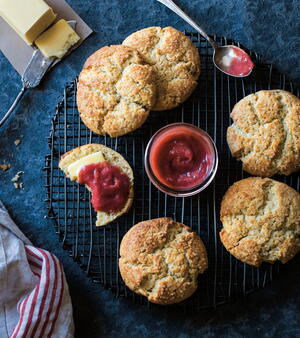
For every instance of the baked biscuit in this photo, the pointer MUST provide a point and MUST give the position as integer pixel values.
(115, 91)
(261, 221)
(161, 259)
(110, 156)
(175, 60)
(265, 134)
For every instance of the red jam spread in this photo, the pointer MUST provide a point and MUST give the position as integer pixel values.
(241, 64)
(109, 185)
(181, 157)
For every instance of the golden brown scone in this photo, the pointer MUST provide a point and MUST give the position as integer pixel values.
(261, 221)
(115, 91)
(161, 259)
(265, 134)
(110, 156)
(175, 60)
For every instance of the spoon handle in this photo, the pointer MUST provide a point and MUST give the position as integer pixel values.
(170, 4)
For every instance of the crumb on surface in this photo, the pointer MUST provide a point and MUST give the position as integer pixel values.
(17, 177)
(18, 185)
(5, 166)
(17, 142)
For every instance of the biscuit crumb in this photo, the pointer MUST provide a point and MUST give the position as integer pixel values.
(16, 178)
(5, 167)
(17, 142)
(18, 185)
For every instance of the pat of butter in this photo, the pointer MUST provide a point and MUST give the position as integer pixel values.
(57, 40)
(74, 168)
(29, 18)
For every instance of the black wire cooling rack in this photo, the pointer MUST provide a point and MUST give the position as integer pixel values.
(96, 249)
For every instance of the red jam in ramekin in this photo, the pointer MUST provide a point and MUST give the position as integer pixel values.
(181, 159)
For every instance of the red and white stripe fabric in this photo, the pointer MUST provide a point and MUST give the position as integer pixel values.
(34, 296)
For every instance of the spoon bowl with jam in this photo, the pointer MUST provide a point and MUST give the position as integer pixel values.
(229, 59)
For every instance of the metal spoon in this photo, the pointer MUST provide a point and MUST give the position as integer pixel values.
(224, 57)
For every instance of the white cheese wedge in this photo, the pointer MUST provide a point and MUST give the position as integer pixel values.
(29, 18)
(57, 40)
(74, 168)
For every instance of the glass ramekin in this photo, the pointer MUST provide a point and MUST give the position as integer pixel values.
(183, 192)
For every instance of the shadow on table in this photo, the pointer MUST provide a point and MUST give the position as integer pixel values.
(266, 311)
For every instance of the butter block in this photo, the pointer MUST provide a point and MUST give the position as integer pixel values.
(74, 168)
(57, 40)
(29, 18)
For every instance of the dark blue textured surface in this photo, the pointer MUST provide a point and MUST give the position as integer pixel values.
(271, 28)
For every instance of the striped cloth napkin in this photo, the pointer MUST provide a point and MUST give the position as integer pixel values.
(34, 295)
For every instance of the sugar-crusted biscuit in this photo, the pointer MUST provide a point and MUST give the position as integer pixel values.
(110, 156)
(265, 134)
(261, 221)
(161, 259)
(115, 91)
(174, 58)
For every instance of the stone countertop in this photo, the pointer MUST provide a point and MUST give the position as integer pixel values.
(271, 28)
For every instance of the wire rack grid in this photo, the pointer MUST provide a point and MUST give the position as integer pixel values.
(96, 249)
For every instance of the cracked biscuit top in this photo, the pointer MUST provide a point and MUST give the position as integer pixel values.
(265, 134)
(174, 58)
(115, 91)
(261, 221)
(161, 259)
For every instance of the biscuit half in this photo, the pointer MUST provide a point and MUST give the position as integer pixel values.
(113, 158)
